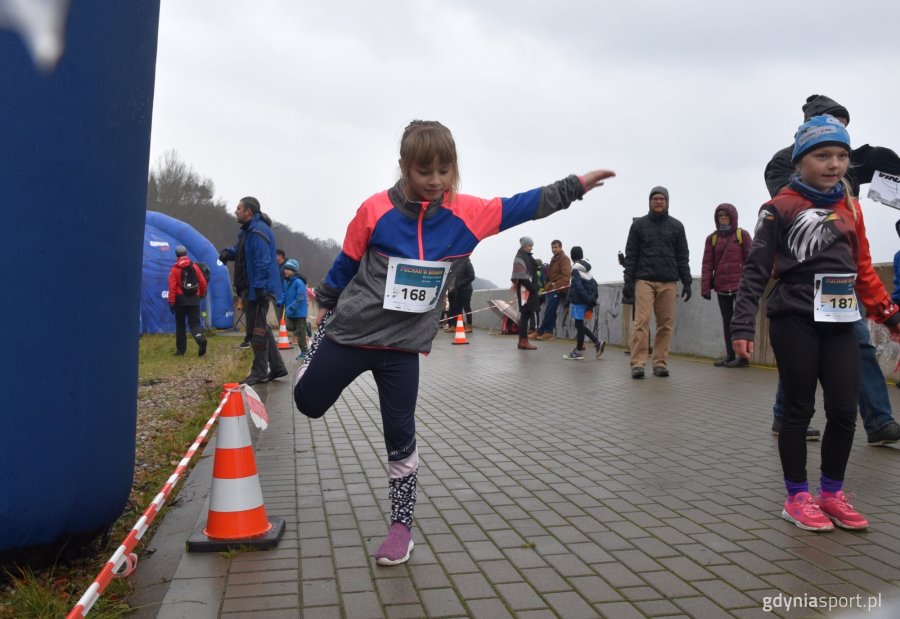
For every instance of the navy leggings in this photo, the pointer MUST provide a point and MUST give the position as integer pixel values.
(334, 366)
(807, 353)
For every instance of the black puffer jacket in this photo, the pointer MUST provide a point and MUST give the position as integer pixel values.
(657, 251)
(864, 161)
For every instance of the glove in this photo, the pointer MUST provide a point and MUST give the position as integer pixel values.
(172, 307)
(686, 293)
(628, 295)
(707, 296)
(224, 256)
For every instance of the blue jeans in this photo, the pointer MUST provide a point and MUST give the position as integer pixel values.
(548, 324)
(874, 402)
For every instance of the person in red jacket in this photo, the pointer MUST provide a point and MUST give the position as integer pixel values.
(186, 289)
(723, 260)
(812, 239)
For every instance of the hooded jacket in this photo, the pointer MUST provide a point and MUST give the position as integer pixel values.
(864, 161)
(581, 272)
(795, 241)
(724, 261)
(388, 225)
(657, 249)
(176, 294)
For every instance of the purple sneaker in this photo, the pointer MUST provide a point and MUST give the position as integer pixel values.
(396, 546)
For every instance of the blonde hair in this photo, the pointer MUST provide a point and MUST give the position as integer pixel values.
(848, 196)
(423, 143)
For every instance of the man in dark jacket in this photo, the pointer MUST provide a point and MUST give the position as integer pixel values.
(462, 290)
(256, 267)
(724, 256)
(874, 402)
(185, 303)
(656, 256)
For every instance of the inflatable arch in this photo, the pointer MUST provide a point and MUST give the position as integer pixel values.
(74, 162)
(162, 234)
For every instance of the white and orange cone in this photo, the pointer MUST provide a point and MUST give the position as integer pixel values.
(237, 516)
(284, 343)
(460, 336)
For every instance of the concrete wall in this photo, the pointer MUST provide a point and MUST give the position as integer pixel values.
(698, 324)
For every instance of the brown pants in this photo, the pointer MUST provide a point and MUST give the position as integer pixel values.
(653, 298)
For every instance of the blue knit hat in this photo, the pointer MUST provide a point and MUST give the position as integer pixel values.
(293, 265)
(824, 130)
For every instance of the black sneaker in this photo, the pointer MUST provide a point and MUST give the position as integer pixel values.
(721, 362)
(660, 371)
(277, 374)
(202, 348)
(254, 380)
(885, 435)
(737, 363)
(600, 346)
(637, 372)
(244, 344)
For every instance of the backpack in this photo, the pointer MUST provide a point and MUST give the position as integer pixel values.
(591, 291)
(738, 234)
(205, 270)
(190, 285)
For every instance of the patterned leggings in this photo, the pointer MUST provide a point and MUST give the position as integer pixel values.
(331, 367)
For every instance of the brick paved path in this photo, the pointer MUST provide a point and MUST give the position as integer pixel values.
(548, 488)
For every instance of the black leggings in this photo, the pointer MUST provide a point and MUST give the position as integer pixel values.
(581, 331)
(726, 307)
(333, 367)
(808, 352)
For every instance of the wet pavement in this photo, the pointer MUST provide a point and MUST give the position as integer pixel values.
(548, 488)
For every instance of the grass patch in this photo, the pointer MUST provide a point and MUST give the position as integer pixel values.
(176, 397)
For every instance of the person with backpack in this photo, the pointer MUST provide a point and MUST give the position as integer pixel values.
(583, 293)
(724, 256)
(187, 286)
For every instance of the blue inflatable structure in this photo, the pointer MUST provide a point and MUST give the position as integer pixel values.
(162, 234)
(73, 168)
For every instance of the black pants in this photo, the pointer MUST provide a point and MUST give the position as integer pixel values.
(726, 307)
(333, 367)
(460, 303)
(526, 313)
(581, 331)
(265, 349)
(191, 313)
(808, 352)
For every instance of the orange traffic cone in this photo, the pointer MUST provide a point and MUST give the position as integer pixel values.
(460, 337)
(237, 516)
(283, 342)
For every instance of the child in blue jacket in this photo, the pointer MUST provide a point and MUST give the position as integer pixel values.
(296, 306)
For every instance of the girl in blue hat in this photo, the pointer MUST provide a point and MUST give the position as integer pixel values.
(812, 239)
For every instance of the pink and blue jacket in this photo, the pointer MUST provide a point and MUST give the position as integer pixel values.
(388, 225)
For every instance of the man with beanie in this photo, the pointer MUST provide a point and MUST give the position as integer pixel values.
(874, 402)
(186, 287)
(525, 280)
(656, 257)
(255, 264)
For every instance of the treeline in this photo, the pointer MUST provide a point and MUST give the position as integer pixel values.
(176, 190)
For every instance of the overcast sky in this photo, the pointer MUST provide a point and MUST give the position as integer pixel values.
(302, 104)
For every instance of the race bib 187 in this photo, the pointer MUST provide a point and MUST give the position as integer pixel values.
(835, 298)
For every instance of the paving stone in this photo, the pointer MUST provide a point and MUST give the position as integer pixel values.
(611, 510)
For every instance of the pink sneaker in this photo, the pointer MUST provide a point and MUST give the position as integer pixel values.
(802, 510)
(396, 546)
(836, 506)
